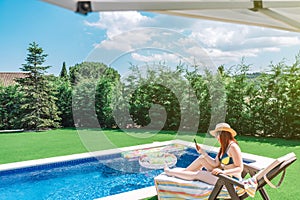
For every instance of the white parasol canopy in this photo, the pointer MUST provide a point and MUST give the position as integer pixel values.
(278, 14)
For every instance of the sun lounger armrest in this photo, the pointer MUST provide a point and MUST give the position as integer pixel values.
(250, 170)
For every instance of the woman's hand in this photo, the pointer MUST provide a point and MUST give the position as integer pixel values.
(200, 150)
(217, 171)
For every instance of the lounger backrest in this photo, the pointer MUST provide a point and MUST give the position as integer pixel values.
(279, 165)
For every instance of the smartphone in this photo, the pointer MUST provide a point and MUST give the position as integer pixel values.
(195, 141)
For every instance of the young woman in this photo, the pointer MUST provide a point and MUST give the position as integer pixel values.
(228, 161)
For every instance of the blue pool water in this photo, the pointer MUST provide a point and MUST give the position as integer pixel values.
(82, 179)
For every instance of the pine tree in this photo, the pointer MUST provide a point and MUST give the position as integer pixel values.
(38, 102)
(63, 72)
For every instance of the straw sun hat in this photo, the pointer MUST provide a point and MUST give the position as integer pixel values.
(223, 127)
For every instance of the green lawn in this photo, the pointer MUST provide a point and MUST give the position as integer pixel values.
(33, 145)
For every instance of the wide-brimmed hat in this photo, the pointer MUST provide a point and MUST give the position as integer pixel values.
(223, 127)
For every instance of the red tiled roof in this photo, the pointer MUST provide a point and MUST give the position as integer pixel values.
(8, 78)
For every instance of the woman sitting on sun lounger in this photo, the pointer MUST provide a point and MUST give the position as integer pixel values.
(228, 161)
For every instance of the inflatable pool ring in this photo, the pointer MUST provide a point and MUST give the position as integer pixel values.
(157, 160)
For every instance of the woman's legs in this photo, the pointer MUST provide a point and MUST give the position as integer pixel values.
(194, 171)
(198, 164)
(204, 176)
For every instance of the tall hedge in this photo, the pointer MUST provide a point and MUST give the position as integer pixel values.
(258, 104)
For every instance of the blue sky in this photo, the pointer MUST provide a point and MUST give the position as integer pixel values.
(61, 33)
(119, 38)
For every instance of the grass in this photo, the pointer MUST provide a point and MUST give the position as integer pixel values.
(34, 145)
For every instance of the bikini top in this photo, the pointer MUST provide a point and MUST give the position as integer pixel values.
(225, 159)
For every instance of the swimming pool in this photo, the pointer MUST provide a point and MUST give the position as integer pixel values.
(92, 176)
(87, 178)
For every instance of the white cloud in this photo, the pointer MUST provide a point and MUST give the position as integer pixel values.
(155, 58)
(117, 22)
(223, 43)
(126, 41)
(214, 37)
(270, 42)
(231, 36)
(271, 49)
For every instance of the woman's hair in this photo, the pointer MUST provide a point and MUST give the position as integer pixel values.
(225, 139)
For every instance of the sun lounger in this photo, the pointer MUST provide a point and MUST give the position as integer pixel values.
(169, 188)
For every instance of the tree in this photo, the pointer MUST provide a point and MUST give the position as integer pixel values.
(64, 101)
(160, 90)
(64, 97)
(86, 70)
(292, 111)
(106, 95)
(236, 89)
(200, 85)
(93, 94)
(38, 102)
(63, 72)
(10, 113)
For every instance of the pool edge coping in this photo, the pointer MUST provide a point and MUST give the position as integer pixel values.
(133, 195)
